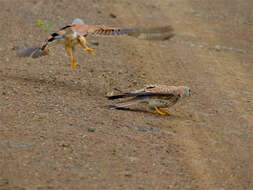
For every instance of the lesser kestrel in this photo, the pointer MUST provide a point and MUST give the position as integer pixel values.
(74, 34)
(155, 97)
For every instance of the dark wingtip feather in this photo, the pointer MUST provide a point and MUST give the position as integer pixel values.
(63, 28)
(34, 52)
(27, 52)
(111, 107)
(116, 97)
(116, 107)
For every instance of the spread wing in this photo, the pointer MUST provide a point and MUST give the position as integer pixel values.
(154, 33)
(98, 30)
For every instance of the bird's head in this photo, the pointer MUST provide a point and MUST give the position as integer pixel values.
(78, 20)
(186, 91)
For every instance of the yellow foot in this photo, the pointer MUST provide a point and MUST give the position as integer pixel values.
(160, 111)
(73, 65)
(90, 51)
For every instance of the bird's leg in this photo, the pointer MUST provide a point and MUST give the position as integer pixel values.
(69, 52)
(164, 111)
(83, 43)
(160, 111)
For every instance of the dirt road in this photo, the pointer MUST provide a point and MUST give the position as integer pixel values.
(56, 134)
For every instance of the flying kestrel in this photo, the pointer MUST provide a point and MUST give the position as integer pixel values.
(74, 34)
(155, 97)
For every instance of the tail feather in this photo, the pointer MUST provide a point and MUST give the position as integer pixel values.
(113, 107)
(123, 105)
(116, 108)
(52, 41)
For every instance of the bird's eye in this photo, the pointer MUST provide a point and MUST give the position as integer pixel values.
(150, 87)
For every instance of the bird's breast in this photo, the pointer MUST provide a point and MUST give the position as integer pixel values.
(71, 40)
(162, 102)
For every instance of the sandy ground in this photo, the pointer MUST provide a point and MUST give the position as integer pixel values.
(56, 134)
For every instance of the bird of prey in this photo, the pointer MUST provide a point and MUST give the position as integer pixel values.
(74, 34)
(155, 97)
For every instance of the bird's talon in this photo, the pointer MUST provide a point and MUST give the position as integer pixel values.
(73, 65)
(90, 51)
(160, 112)
(164, 111)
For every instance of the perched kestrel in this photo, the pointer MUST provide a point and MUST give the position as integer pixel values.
(155, 97)
(74, 34)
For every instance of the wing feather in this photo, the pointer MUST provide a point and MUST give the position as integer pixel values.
(148, 91)
(34, 52)
(154, 33)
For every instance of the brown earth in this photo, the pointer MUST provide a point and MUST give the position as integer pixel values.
(56, 134)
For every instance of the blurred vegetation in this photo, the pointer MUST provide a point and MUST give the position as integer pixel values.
(45, 27)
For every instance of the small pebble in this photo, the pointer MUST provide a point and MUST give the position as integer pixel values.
(217, 48)
(91, 129)
(112, 15)
(128, 175)
(95, 43)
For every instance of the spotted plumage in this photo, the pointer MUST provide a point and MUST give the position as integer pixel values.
(154, 97)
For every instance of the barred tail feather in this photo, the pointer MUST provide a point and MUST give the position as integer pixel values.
(123, 104)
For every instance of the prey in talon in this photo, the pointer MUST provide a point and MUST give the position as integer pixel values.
(76, 33)
(155, 97)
